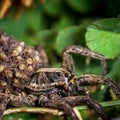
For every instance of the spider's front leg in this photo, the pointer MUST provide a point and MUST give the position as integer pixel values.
(79, 100)
(67, 61)
(91, 79)
(59, 104)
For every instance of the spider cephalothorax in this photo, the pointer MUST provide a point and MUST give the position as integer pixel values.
(26, 79)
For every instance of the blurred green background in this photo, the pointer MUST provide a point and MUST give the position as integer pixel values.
(55, 24)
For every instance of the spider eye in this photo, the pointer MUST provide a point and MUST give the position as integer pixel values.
(66, 75)
(58, 74)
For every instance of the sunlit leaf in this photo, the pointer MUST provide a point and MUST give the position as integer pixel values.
(103, 36)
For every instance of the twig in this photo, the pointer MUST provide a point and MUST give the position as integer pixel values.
(77, 113)
(33, 110)
(6, 4)
(55, 111)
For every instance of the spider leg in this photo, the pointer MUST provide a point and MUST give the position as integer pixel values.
(57, 104)
(43, 56)
(3, 103)
(67, 61)
(78, 100)
(22, 100)
(90, 79)
(10, 99)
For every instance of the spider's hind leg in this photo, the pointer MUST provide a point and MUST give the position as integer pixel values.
(79, 100)
(59, 104)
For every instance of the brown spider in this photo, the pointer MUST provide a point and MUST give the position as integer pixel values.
(25, 79)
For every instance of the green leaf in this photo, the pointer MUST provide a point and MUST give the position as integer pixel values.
(47, 39)
(29, 22)
(23, 116)
(63, 22)
(69, 36)
(53, 7)
(83, 6)
(34, 19)
(115, 70)
(104, 104)
(44, 37)
(103, 36)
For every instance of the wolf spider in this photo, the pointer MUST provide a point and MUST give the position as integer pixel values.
(59, 88)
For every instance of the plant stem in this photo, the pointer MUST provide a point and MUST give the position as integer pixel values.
(55, 111)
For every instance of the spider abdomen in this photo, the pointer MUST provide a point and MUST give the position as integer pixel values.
(17, 62)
